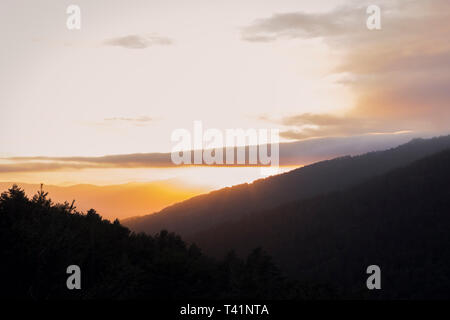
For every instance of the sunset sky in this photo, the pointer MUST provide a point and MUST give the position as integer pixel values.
(137, 70)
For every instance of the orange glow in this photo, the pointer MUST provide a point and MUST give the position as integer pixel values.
(117, 201)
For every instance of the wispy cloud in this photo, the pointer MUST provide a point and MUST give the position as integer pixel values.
(318, 119)
(136, 41)
(302, 25)
(142, 119)
(41, 163)
(308, 125)
(399, 75)
(25, 166)
(295, 153)
(137, 121)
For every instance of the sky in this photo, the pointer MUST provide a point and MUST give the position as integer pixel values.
(138, 70)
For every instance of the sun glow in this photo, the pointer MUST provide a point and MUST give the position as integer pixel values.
(207, 177)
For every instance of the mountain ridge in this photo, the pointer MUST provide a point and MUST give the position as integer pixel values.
(399, 221)
(232, 203)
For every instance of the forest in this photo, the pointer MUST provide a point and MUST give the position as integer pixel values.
(399, 221)
(389, 209)
(40, 239)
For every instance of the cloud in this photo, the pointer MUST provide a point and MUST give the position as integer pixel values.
(317, 119)
(301, 25)
(308, 133)
(136, 160)
(138, 121)
(399, 75)
(347, 23)
(135, 41)
(21, 167)
(295, 153)
(308, 125)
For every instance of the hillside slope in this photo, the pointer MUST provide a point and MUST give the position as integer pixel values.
(399, 221)
(230, 204)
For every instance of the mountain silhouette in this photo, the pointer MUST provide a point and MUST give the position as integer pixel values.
(399, 221)
(230, 204)
(390, 209)
(39, 240)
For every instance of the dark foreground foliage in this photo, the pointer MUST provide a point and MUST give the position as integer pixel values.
(39, 240)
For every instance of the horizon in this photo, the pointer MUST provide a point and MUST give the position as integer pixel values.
(112, 95)
(168, 191)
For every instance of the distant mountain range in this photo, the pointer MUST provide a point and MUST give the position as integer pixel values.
(230, 204)
(324, 224)
(117, 201)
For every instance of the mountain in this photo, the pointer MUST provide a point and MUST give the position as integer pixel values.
(117, 201)
(399, 221)
(231, 204)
